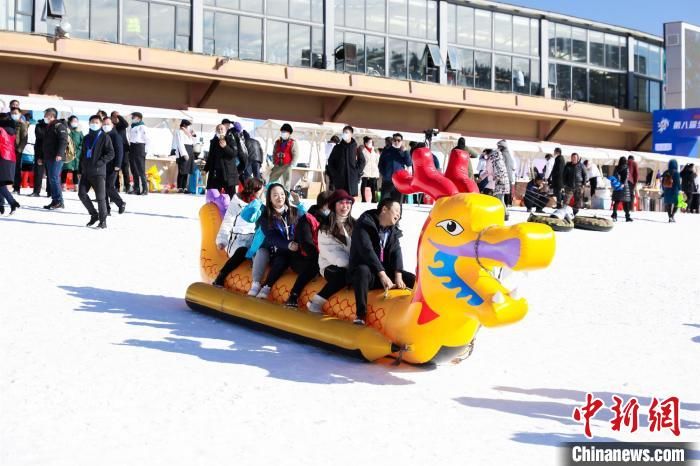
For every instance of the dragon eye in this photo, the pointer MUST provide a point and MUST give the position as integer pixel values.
(451, 227)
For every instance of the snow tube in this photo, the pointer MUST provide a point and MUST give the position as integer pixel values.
(557, 224)
(463, 240)
(593, 223)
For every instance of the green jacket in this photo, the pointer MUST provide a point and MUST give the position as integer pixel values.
(77, 137)
(21, 139)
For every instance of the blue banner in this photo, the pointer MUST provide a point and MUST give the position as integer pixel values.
(677, 132)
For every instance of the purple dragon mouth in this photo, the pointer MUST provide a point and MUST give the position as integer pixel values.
(507, 251)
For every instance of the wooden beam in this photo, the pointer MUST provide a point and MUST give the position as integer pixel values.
(207, 95)
(453, 120)
(556, 129)
(341, 108)
(642, 141)
(46, 82)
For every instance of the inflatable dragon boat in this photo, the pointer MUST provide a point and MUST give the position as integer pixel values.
(462, 245)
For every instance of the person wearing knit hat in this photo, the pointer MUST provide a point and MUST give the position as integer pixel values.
(284, 156)
(334, 239)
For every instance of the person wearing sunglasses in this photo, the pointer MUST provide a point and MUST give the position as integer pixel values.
(393, 159)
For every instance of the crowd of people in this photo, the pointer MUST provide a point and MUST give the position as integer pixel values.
(326, 240)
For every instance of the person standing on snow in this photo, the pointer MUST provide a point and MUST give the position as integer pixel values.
(284, 156)
(345, 164)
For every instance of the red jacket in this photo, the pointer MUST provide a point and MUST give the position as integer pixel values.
(7, 146)
(283, 156)
(633, 169)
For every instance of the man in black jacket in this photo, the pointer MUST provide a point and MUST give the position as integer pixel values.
(255, 155)
(375, 254)
(346, 163)
(96, 154)
(113, 167)
(54, 148)
(574, 180)
(120, 126)
(556, 178)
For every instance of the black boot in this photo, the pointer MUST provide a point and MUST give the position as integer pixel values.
(102, 225)
(93, 220)
(2, 209)
(293, 300)
(122, 208)
(14, 206)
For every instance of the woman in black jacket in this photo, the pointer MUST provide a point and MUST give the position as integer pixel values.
(623, 195)
(222, 163)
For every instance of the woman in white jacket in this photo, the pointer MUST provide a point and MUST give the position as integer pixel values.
(235, 234)
(334, 248)
(370, 175)
(183, 149)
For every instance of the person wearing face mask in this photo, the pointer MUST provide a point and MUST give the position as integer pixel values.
(121, 126)
(183, 149)
(113, 167)
(305, 261)
(345, 164)
(139, 142)
(393, 159)
(22, 134)
(97, 153)
(370, 174)
(334, 240)
(55, 144)
(222, 163)
(284, 156)
(376, 260)
(7, 161)
(71, 167)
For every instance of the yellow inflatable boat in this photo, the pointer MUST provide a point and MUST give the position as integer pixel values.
(462, 242)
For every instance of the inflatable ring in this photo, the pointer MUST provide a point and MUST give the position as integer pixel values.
(557, 224)
(593, 223)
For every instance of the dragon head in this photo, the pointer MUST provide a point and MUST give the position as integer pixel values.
(464, 244)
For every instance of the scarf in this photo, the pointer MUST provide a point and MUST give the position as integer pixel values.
(138, 123)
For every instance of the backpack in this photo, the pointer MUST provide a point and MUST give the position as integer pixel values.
(70, 150)
(667, 180)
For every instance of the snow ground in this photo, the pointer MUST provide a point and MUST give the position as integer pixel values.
(101, 362)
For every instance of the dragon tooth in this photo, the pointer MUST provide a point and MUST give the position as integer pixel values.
(498, 298)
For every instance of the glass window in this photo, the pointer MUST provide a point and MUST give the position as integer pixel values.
(354, 52)
(654, 64)
(255, 6)
(503, 73)
(503, 32)
(397, 58)
(162, 26)
(208, 46)
(452, 23)
(300, 9)
(640, 95)
(612, 51)
(376, 16)
(135, 24)
(209, 24)
(552, 39)
(654, 96)
(579, 46)
(596, 80)
(521, 75)
(339, 51)
(521, 35)
(339, 12)
(465, 25)
(183, 21)
(534, 37)
(417, 18)
(612, 92)
(250, 41)
(76, 14)
(231, 4)
(355, 14)
(278, 8)
(416, 61)
(432, 20)
(563, 90)
(535, 77)
(226, 35)
(375, 56)
(316, 11)
(563, 51)
(596, 49)
(460, 69)
(482, 67)
(579, 84)
(482, 29)
(299, 45)
(276, 42)
(317, 51)
(398, 17)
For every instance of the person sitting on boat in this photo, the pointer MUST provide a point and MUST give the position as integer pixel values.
(278, 223)
(376, 260)
(305, 261)
(236, 234)
(334, 239)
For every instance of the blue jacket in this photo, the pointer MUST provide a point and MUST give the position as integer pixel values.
(252, 213)
(671, 194)
(393, 160)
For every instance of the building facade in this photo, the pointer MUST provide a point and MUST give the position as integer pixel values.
(471, 44)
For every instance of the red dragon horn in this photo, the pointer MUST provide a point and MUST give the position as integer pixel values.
(458, 171)
(425, 179)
